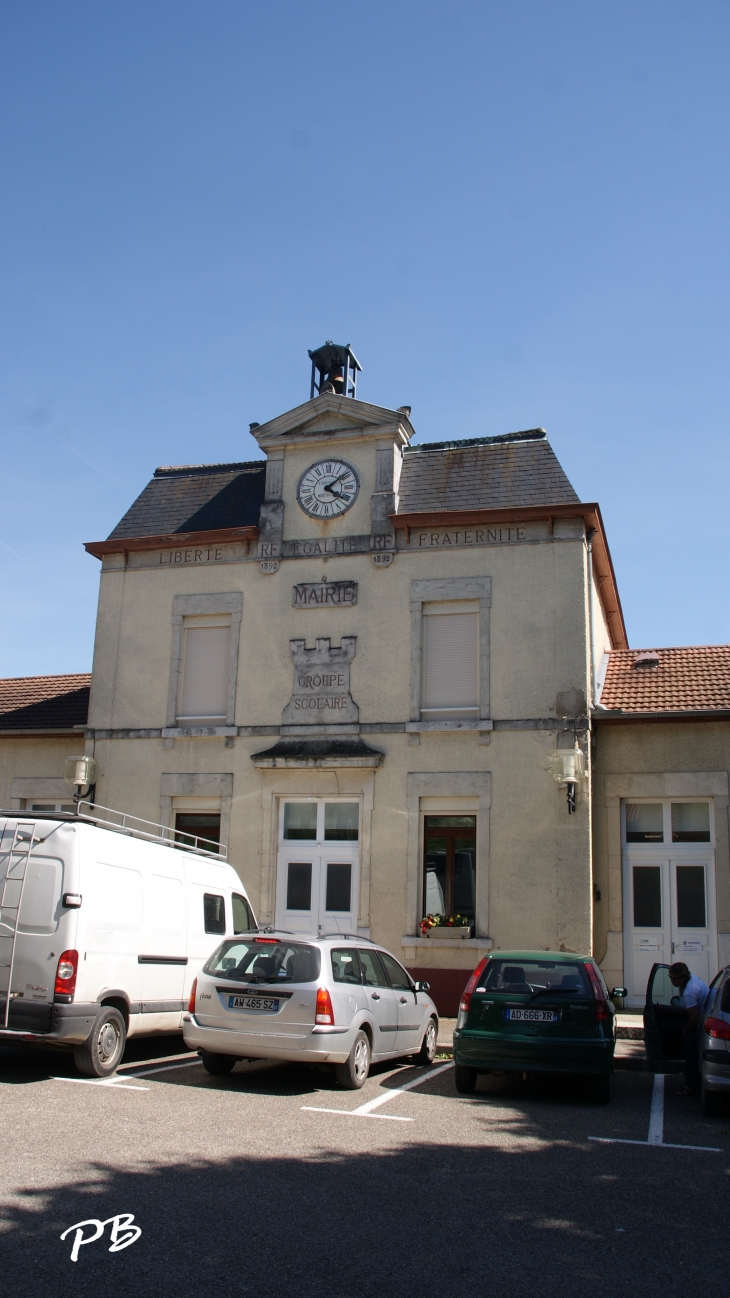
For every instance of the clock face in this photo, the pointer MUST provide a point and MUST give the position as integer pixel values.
(328, 489)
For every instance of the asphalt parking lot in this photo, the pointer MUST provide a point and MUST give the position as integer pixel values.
(274, 1182)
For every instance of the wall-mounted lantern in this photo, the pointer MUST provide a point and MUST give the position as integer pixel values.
(568, 769)
(81, 772)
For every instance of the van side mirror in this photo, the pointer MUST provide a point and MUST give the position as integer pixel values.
(423, 987)
(619, 993)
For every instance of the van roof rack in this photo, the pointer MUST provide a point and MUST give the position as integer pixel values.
(133, 826)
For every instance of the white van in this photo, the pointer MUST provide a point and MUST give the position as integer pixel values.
(103, 929)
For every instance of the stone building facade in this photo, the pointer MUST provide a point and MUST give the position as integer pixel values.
(353, 660)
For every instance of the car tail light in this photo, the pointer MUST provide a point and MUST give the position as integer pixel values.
(66, 971)
(717, 1028)
(191, 1002)
(602, 1008)
(324, 1012)
(465, 1002)
(272, 941)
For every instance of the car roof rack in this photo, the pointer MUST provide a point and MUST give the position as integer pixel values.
(353, 937)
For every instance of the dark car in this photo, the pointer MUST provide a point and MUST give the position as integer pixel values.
(536, 1012)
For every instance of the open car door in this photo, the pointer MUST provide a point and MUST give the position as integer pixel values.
(664, 1017)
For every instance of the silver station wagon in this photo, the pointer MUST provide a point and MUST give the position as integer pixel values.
(336, 999)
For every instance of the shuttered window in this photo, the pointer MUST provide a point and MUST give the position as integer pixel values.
(207, 653)
(450, 660)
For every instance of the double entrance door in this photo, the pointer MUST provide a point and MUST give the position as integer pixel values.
(669, 889)
(669, 900)
(318, 864)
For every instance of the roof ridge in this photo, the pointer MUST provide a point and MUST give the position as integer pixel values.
(667, 649)
(168, 470)
(62, 676)
(502, 439)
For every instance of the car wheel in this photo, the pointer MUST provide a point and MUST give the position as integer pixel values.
(465, 1079)
(427, 1053)
(102, 1050)
(218, 1065)
(712, 1102)
(354, 1072)
(600, 1089)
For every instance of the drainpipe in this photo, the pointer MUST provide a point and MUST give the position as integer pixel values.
(589, 544)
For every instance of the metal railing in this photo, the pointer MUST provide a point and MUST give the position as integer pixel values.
(154, 833)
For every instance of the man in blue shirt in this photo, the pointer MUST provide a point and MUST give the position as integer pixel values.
(693, 998)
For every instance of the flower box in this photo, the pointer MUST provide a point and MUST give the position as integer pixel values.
(449, 931)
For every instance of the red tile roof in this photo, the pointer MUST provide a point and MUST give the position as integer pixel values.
(44, 702)
(696, 679)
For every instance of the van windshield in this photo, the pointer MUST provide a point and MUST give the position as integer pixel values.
(265, 960)
(526, 977)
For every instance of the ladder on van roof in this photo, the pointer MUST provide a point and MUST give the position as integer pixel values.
(14, 857)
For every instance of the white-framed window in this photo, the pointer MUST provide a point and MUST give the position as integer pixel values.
(204, 661)
(450, 652)
(667, 820)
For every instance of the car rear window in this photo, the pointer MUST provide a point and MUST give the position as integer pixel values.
(725, 1002)
(524, 977)
(265, 960)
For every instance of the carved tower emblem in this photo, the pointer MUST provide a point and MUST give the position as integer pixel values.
(321, 694)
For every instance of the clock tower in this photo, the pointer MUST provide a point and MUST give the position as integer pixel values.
(332, 470)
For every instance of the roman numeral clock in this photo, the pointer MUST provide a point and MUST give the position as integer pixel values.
(328, 489)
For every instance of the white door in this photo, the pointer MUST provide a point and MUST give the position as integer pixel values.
(669, 891)
(318, 866)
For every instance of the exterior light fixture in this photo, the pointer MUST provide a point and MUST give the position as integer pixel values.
(81, 772)
(568, 768)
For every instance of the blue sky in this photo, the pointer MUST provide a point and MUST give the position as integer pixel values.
(516, 212)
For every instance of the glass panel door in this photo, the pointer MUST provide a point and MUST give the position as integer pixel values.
(668, 909)
(317, 870)
(690, 929)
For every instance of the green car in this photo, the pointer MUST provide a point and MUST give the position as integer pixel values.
(536, 1012)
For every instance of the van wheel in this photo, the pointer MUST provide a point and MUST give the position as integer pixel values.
(102, 1050)
(465, 1079)
(600, 1089)
(353, 1074)
(427, 1053)
(713, 1102)
(218, 1065)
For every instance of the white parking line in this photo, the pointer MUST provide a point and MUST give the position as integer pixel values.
(119, 1081)
(168, 1068)
(100, 1081)
(366, 1110)
(656, 1126)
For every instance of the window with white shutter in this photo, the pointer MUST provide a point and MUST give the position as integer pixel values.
(450, 673)
(206, 663)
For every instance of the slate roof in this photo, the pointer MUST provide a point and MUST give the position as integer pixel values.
(44, 702)
(480, 473)
(695, 679)
(483, 473)
(196, 498)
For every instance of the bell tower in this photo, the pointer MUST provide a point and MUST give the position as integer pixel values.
(334, 369)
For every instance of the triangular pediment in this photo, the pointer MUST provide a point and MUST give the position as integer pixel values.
(332, 417)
